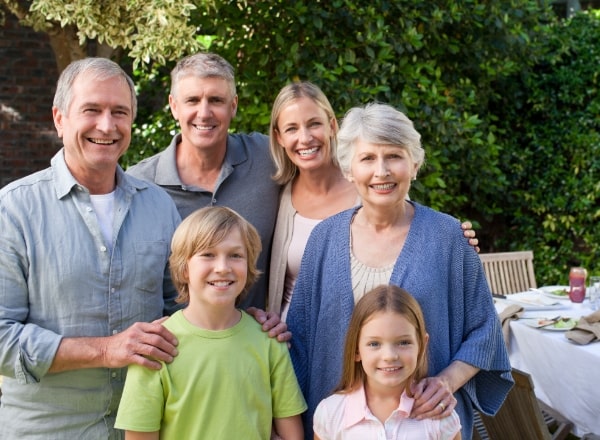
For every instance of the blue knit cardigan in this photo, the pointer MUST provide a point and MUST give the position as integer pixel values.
(439, 268)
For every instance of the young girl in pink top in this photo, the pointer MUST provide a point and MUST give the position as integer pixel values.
(385, 352)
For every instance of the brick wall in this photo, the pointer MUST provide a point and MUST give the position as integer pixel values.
(28, 77)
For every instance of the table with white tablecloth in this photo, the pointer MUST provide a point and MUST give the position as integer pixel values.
(566, 375)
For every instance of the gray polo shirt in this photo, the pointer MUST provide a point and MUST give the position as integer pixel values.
(244, 185)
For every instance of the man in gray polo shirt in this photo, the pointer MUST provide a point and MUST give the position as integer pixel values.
(206, 165)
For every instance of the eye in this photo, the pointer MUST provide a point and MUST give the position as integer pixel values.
(205, 254)
(238, 256)
(373, 344)
(290, 130)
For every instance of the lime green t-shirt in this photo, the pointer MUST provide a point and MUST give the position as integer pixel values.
(222, 385)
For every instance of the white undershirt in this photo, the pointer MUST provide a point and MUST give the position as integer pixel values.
(104, 207)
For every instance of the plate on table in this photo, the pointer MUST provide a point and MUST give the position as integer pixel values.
(534, 301)
(557, 292)
(562, 325)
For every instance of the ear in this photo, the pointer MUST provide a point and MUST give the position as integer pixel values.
(357, 357)
(425, 342)
(234, 105)
(349, 177)
(57, 116)
(173, 106)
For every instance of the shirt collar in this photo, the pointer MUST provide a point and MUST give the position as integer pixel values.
(65, 182)
(166, 168)
(357, 410)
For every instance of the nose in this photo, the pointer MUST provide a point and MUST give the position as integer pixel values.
(106, 122)
(382, 169)
(390, 353)
(305, 134)
(222, 264)
(204, 109)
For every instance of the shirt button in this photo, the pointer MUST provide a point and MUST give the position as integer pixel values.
(88, 209)
(113, 290)
(114, 374)
(115, 332)
(103, 248)
(214, 201)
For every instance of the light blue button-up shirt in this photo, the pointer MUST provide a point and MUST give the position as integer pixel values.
(58, 278)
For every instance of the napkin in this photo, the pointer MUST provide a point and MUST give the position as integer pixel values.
(587, 329)
(510, 313)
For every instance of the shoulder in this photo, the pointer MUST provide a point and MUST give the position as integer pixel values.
(253, 140)
(146, 168)
(24, 184)
(329, 415)
(435, 222)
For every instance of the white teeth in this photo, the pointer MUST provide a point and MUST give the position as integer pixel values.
(390, 369)
(308, 152)
(384, 187)
(204, 127)
(102, 141)
(220, 283)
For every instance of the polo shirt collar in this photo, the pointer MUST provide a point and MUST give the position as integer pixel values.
(356, 409)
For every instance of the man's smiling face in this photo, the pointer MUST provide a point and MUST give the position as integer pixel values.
(96, 130)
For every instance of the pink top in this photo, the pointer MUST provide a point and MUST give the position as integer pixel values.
(347, 417)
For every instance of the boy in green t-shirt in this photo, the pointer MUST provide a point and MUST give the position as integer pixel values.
(229, 380)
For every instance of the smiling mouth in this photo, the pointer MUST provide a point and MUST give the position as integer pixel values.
(102, 141)
(220, 283)
(308, 151)
(383, 186)
(390, 369)
(203, 127)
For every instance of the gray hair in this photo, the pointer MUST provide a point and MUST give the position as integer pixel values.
(378, 124)
(101, 69)
(203, 65)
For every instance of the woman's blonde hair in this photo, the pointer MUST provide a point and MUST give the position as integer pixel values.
(204, 229)
(383, 298)
(286, 170)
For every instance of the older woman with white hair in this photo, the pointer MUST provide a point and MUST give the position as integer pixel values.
(389, 239)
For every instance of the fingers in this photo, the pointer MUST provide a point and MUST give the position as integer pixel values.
(258, 314)
(143, 344)
(433, 399)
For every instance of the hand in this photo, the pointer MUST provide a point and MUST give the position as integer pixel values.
(143, 343)
(271, 323)
(469, 233)
(433, 399)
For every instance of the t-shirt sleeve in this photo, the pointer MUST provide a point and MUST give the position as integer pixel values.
(287, 396)
(142, 402)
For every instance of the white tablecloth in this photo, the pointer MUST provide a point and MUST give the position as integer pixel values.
(566, 376)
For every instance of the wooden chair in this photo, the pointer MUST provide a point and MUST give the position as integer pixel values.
(521, 417)
(509, 272)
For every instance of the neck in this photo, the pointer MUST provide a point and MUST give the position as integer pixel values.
(212, 318)
(320, 180)
(374, 217)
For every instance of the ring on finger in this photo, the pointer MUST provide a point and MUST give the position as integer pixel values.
(442, 405)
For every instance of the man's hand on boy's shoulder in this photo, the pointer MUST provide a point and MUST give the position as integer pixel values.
(271, 323)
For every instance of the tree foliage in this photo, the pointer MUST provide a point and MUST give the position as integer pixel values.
(552, 115)
(147, 31)
(439, 61)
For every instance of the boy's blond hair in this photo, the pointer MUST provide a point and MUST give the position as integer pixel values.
(204, 229)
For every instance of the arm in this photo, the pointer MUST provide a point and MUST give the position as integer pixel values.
(135, 345)
(289, 428)
(432, 391)
(137, 435)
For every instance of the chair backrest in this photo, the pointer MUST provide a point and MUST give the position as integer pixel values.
(520, 417)
(509, 272)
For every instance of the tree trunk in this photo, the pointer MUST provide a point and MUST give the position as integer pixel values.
(65, 44)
